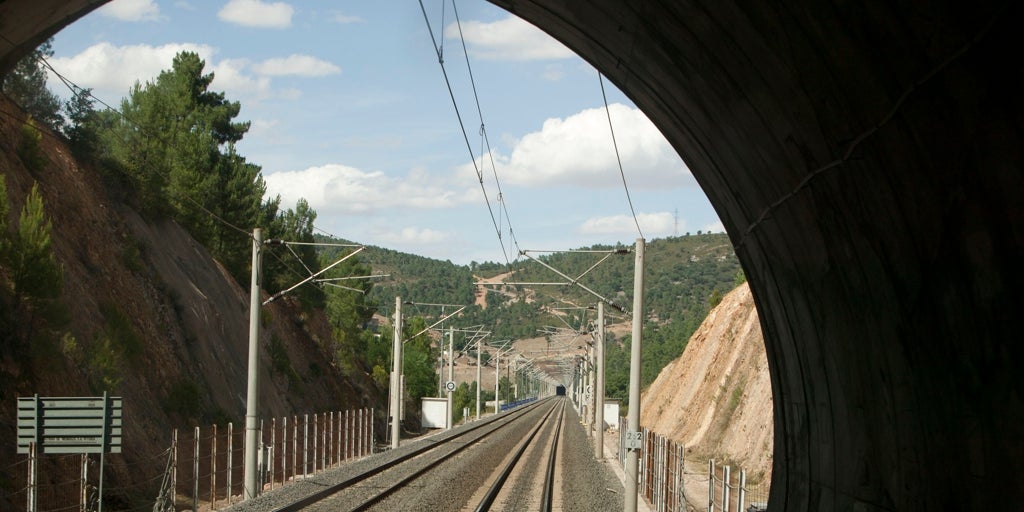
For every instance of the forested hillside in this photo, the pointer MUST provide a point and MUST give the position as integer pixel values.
(685, 277)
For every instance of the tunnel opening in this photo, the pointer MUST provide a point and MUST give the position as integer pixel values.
(866, 163)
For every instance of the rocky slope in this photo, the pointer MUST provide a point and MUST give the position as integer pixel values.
(716, 398)
(188, 315)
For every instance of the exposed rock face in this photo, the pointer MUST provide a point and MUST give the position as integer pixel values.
(716, 398)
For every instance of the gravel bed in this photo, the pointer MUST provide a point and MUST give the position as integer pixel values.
(296, 490)
(452, 485)
(527, 480)
(592, 485)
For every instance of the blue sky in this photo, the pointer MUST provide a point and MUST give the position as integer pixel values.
(349, 109)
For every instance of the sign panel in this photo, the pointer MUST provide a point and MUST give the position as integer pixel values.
(69, 424)
(634, 440)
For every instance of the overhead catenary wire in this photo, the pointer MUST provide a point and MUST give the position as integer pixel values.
(465, 135)
(618, 158)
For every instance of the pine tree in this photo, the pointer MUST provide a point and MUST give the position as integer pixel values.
(26, 85)
(35, 280)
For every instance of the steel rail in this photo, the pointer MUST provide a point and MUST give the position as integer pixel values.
(418, 473)
(429, 445)
(549, 479)
(492, 492)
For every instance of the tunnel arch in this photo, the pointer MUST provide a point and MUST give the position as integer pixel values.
(866, 162)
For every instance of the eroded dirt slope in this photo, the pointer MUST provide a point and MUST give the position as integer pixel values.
(190, 316)
(716, 398)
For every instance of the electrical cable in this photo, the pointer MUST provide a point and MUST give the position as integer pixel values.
(78, 90)
(622, 173)
(465, 135)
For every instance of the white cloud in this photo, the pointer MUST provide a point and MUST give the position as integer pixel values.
(231, 76)
(652, 224)
(296, 65)
(411, 236)
(577, 151)
(553, 73)
(345, 19)
(256, 13)
(131, 10)
(508, 39)
(336, 188)
(111, 70)
(261, 127)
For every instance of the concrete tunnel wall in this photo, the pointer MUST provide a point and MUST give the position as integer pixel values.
(866, 160)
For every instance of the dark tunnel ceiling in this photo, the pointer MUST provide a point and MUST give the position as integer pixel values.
(866, 162)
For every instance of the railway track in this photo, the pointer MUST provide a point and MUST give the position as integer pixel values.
(404, 481)
(514, 486)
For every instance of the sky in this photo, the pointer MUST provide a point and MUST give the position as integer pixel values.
(351, 111)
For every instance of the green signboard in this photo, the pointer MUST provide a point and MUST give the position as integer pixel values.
(69, 424)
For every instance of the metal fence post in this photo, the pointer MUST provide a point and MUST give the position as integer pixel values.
(273, 446)
(726, 487)
(174, 466)
(295, 446)
(284, 450)
(231, 451)
(711, 485)
(213, 469)
(741, 494)
(195, 473)
(83, 483)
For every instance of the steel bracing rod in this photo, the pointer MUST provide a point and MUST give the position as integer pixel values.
(328, 279)
(321, 244)
(574, 282)
(312, 277)
(431, 326)
(623, 250)
(429, 304)
(523, 283)
(345, 287)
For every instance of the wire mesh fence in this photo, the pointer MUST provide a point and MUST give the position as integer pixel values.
(669, 482)
(203, 469)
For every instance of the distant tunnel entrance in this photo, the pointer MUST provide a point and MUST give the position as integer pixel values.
(866, 160)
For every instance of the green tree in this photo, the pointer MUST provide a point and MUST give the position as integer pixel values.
(26, 85)
(419, 358)
(34, 279)
(169, 139)
(284, 270)
(81, 128)
(30, 149)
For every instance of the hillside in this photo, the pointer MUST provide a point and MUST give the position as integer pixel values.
(716, 398)
(152, 317)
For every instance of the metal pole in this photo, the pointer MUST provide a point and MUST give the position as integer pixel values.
(33, 473)
(451, 374)
(592, 390)
(633, 420)
(83, 487)
(599, 388)
(479, 383)
(741, 493)
(252, 394)
(497, 372)
(231, 450)
(726, 488)
(396, 371)
(195, 472)
(711, 485)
